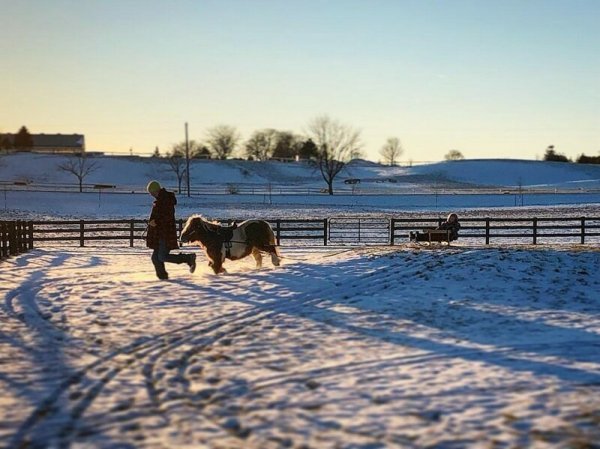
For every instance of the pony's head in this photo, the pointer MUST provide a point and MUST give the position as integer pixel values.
(193, 229)
(197, 229)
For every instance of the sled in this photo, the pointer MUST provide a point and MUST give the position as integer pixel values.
(430, 236)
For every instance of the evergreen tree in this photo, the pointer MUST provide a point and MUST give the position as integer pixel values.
(287, 146)
(553, 156)
(308, 150)
(23, 140)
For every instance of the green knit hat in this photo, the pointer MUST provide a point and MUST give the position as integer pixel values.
(153, 186)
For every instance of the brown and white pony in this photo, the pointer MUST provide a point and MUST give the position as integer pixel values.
(231, 242)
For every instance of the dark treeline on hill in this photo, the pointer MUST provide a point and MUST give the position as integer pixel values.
(223, 142)
(553, 156)
(583, 159)
(329, 145)
(22, 140)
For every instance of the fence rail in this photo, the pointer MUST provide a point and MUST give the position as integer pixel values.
(18, 236)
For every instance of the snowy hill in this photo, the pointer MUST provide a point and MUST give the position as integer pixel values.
(510, 172)
(135, 171)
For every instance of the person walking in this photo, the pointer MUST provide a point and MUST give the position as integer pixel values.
(162, 232)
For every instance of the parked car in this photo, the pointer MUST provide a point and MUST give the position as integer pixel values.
(352, 181)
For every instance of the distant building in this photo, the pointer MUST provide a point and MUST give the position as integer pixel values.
(49, 143)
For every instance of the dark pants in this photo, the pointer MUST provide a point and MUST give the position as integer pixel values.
(161, 255)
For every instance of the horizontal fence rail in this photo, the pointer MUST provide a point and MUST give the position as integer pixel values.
(327, 231)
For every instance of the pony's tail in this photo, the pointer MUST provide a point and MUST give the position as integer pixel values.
(270, 249)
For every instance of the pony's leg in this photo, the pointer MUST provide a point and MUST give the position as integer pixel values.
(217, 266)
(215, 259)
(257, 257)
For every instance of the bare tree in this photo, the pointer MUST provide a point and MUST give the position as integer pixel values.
(80, 166)
(176, 161)
(391, 151)
(454, 155)
(336, 145)
(261, 144)
(222, 140)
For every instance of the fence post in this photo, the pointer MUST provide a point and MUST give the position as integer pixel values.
(5, 239)
(2, 240)
(18, 239)
(534, 230)
(131, 228)
(582, 230)
(30, 234)
(278, 231)
(487, 231)
(325, 231)
(10, 231)
(81, 233)
(24, 238)
(19, 236)
(392, 230)
(12, 238)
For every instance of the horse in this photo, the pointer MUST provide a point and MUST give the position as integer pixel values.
(231, 242)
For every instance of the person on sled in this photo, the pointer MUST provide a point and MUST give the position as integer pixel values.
(162, 232)
(451, 224)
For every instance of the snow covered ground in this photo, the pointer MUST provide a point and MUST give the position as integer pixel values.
(491, 184)
(461, 347)
(133, 173)
(404, 347)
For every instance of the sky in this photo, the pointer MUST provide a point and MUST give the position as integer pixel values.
(492, 79)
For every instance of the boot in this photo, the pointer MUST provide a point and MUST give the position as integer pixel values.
(192, 262)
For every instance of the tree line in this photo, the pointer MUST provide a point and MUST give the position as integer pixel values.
(327, 143)
(553, 156)
(21, 141)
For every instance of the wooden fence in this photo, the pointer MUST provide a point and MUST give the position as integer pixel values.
(526, 230)
(19, 236)
(16, 237)
(130, 231)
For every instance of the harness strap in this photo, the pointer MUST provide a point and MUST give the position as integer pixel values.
(227, 246)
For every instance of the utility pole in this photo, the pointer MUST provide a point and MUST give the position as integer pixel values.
(187, 159)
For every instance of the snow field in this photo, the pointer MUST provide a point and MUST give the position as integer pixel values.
(459, 347)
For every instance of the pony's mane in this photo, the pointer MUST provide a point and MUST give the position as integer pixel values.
(210, 224)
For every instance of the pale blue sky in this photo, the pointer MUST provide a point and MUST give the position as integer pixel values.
(489, 78)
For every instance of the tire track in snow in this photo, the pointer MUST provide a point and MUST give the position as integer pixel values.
(299, 301)
(290, 305)
(111, 366)
(154, 349)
